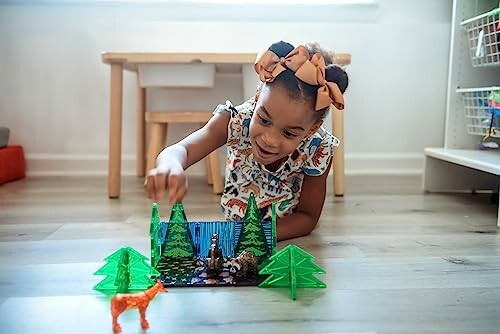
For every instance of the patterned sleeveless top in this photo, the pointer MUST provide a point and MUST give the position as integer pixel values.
(244, 175)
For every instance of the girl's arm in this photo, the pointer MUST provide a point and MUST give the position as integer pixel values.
(306, 216)
(168, 176)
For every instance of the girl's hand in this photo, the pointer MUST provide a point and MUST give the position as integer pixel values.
(166, 177)
(169, 176)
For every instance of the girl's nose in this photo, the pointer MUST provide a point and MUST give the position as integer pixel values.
(271, 138)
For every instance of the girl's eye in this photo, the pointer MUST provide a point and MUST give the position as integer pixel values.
(263, 120)
(290, 135)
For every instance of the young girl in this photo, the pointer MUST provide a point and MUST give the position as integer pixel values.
(276, 147)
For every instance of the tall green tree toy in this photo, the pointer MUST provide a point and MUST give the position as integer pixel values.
(178, 241)
(126, 270)
(292, 267)
(252, 238)
(154, 235)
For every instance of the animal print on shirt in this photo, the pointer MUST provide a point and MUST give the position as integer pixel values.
(244, 175)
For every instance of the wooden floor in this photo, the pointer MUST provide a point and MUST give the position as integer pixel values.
(398, 261)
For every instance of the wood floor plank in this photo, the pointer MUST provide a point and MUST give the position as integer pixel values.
(398, 261)
(470, 310)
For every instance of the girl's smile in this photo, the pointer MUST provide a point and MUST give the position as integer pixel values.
(262, 153)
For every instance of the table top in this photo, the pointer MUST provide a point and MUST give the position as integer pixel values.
(131, 59)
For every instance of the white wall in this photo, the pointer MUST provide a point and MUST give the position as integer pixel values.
(54, 89)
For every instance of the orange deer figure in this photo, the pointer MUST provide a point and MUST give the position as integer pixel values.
(123, 301)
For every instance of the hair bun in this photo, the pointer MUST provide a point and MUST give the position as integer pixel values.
(335, 73)
(314, 47)
(281, 48)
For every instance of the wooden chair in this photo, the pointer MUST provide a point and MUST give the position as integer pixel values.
(159, 125)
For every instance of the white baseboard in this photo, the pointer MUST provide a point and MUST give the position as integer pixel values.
(384, 163)
(355, 164)
(82, 165)
(74, 165)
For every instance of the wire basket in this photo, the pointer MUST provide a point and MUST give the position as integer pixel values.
(483, 33)
(482, 110)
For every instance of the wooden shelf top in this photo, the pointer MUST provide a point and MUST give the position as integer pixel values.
(486, 161)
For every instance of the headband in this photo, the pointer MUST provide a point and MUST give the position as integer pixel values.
(268, 66)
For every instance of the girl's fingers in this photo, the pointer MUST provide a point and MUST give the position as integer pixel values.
(177, 189)
(160, 186)
(149, 184)
(172, 190)
(159, 182)
(181, 193)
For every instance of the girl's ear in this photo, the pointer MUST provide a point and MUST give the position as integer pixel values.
(315, 128)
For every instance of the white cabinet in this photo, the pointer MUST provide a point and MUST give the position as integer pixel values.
(459, 165)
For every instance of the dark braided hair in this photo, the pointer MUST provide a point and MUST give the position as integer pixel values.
(299, 90)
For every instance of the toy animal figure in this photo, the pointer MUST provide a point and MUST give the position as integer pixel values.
(243, 266)
(123, 301)
(214, 259)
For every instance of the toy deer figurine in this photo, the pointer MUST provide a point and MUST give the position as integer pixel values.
(122, 301)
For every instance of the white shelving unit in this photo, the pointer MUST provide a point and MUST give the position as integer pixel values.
(459, 166)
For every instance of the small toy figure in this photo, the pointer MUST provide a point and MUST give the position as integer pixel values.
(140, 300)
(215, 259)
(243, 266)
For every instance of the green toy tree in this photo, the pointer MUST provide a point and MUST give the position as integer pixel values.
(126, 270)
(252, 238)
(154, 235)
(178, 241)
(273, 227)
(292, 267)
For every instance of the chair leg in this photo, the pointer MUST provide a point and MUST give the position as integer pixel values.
(338, 157)
(140, 130)
(208, 168)
(218, 183)
(156, 143)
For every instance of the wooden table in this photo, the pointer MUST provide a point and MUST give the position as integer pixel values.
(120, 61)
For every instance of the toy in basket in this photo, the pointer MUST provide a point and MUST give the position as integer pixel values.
(482, 111)
(483, 34)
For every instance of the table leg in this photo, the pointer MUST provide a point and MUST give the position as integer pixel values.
(207, 165)
(156, 143)
(218, 182)
(115, 131)
(338, 157)
(140, 124)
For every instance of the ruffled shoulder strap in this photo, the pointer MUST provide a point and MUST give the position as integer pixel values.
(318, 151)
(239, 124)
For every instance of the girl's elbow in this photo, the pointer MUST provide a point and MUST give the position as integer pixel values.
(313, 224)
(310, 226)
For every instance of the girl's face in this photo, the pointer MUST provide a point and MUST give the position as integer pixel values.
(278, 125)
